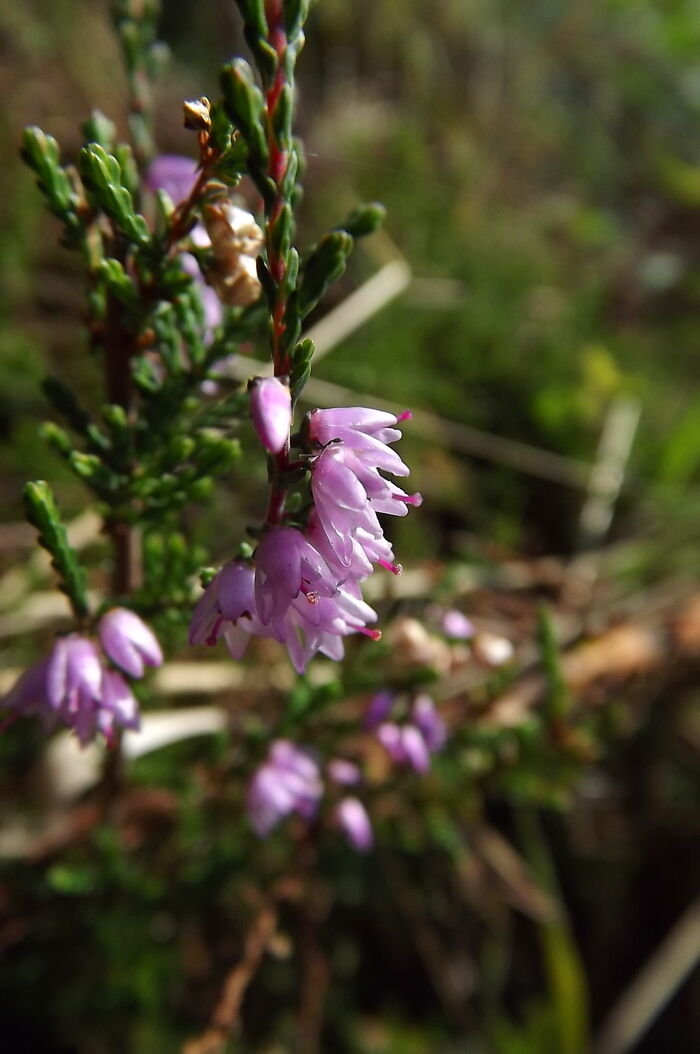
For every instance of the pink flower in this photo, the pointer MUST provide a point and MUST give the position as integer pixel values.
(429, 722)
(128, 641)
(271, 411)
(348, 488)
(307, 581)
(308, 628)
(303, 606)
(73, 686)
(352, 819)
(354, 424)
(228, 597)
(289, 781)
(342, 771)
(286, 565)
(361, 437)
(411, 743)
(174, 174)
(341, 504)
(405, 745)
(380, 706)
(456, 625)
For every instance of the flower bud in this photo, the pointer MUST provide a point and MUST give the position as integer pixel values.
(128, 641)
(271, 411)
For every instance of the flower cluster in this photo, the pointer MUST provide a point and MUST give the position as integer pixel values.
(412, 742)
(303, 587)
(289, 781)
(75, 685)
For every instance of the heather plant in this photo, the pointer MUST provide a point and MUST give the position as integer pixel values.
(334, 787)
(180, 276)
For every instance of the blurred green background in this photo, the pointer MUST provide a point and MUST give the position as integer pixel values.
(540, 166)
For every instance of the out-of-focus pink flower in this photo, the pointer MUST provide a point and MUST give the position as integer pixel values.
(72, 686)
(352, 819)
(211, 305)
(413, 742)
(289, 781)
(456, 625)
(271, 411)
(344, 772)
(380, 706)
(128, 641)
(425, 717)
(174, 174)
(28, 698)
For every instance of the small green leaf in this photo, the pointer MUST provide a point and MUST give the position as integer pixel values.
(117, 281)
(206, 575)
(72, 881)
(364, 219)
(266, 281)
(41, 153)
(291, 273)
(301, 366)
(282, 115)
(56, 437)
(99, 129)
(221, 128)
(281, 235)
(253, 14)
(102, 174)
(63, 399)
(42, 512)
(295, 15)
(145, 375)
(245, 106)
(232, 165)
(129, 169)
(265, 56)
(290, 173)
(323, 267)
(94, 472)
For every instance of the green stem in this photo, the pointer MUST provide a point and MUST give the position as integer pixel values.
(568, 990)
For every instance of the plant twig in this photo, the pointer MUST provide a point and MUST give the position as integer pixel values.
(225, 1019)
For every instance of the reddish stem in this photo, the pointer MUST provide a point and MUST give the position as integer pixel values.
(277, 166)
(208, 157)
